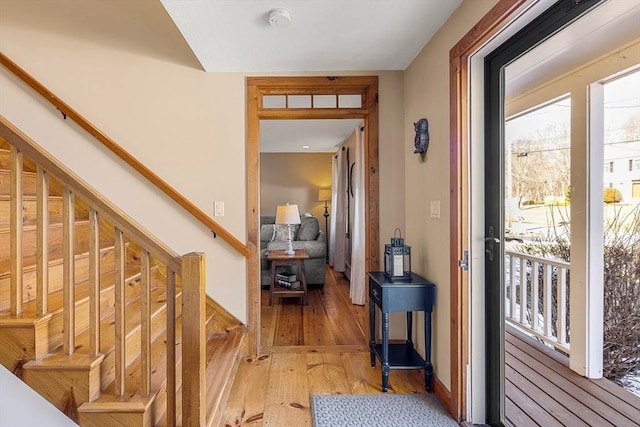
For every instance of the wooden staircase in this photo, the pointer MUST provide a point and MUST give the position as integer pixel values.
(91, 305)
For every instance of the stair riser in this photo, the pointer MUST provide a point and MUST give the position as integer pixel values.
(107, 299)
(29, 211)
(28, 183)
(55, 276)
(55, 385)
(102, 419)
(22, 343)
(55, 239)
(132, 347)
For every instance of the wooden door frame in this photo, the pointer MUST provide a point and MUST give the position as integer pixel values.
(495, 21)
(367, 87)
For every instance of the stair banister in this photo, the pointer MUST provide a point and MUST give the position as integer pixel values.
(162, 185)
(190, 266)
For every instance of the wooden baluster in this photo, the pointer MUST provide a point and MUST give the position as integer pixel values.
(171, 347)
(15, 234)
(562, 305)
(546, 305)
(94, 282)
(68, 270)
(42, 242)
(535, 295)
(193, 339)
(120, 330)
(145, 322)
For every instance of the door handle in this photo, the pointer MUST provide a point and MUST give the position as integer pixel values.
(490, 242)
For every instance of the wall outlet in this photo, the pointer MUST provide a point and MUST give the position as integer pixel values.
(435, 209)
(218, 209)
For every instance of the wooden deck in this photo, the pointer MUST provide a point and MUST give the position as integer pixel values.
(542, 391)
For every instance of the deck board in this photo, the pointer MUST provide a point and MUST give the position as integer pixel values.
(539, 378)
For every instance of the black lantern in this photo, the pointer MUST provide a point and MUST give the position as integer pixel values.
(397, 259)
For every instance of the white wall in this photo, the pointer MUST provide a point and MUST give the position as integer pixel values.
(20, 406)
(427, 95)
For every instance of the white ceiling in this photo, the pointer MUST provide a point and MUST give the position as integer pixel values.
(288, 136)
(324, 35)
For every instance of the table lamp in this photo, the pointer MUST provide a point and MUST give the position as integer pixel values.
(287, 215)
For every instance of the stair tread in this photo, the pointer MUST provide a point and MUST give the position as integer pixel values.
(223, 352)
(158, 369)
(31, 225)
(55, 257)
(81, 289)
(107, 334)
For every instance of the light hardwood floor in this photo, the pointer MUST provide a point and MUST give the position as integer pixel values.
(316, 349)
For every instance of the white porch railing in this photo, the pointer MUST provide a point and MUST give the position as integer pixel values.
(536, 297)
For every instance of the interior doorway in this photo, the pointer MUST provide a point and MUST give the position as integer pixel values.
(328, 98)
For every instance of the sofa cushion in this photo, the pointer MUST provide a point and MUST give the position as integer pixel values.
(266, 232)
(309, 230)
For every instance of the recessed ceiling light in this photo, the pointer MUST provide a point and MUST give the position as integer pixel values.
(306, 147)
(279, 17)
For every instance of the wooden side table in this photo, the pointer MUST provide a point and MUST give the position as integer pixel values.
(278, 259)
(416, 295)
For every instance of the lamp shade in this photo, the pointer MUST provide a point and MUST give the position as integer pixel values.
(324, 195)
(287, 214)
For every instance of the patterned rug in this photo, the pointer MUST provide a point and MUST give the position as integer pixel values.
(379, 410)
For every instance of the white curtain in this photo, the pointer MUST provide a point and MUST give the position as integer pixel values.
(338, 213)
(358, 259)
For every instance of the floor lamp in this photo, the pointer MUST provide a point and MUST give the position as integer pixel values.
(324, 195)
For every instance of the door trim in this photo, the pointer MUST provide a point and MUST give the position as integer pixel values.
(495, 21)
(367, 86)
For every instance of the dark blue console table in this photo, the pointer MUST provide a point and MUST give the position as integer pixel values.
(408, 296)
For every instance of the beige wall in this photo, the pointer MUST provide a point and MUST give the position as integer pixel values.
(427, 95)
(125, 67)
(294, 178)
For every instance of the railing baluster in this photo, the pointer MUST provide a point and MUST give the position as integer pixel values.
(523, 290)
(546, 307)
(68, 271)
(512, 284)
(562, 305)
(94, 282)
(15, 233)
(42, 242)
(171, 347)
(535, 295)
(120, 330)
(145, 322)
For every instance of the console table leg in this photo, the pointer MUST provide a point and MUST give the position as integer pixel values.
(428, 367)
(372, 321)
(385, 351)
(385, 378)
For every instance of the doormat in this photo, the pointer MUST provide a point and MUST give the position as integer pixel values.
(379, 410)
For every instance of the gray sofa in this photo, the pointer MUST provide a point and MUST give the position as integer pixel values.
(307, 236)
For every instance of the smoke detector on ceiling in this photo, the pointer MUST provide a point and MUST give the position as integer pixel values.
(279, 17)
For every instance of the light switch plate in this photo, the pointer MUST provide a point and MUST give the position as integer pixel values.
(435, 209)
(218, 209)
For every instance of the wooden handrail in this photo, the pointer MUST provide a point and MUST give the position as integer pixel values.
(162, 185)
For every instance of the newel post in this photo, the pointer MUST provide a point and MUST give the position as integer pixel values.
(193, 340)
